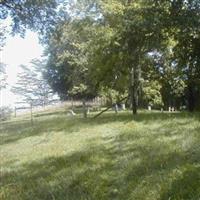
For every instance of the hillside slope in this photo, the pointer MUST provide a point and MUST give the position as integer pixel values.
(154, 156)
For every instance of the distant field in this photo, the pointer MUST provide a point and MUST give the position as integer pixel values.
(155, 156)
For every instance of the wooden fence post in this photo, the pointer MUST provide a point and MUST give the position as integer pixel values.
(15, 112)
(31, 107)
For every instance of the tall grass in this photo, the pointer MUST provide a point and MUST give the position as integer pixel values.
(154, 156)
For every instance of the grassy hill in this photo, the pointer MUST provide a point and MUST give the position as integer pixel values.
(155, 156)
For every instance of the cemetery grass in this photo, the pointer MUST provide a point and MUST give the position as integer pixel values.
(154, 156)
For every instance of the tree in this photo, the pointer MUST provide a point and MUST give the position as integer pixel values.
(2, 76)
(109, 43)
(5, 113)
(36, 15)
(2, 35)
(184, 29)
(32, 86)
(152, 95)
(2, 65)
(161, 67)
(116, 41)
(67, 66)
(132, 29)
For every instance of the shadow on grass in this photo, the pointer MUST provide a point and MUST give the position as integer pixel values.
(149, 116)
(116, 171)
(185, 187)
(14, 131)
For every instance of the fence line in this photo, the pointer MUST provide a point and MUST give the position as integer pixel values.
(96, 102)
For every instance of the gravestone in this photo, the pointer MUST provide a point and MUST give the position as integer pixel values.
(149, 108)
(116, 108)
(123, 106)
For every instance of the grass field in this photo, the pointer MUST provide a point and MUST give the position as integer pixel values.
(155, 156)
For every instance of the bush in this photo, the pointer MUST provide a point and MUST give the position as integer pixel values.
(5, 113)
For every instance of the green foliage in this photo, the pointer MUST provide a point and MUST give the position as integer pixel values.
(186, 26)
(130, 31)
(36, 15)
(67, 67)
(111, 96)
(5, 113)
(97, 44)
(161, 67)
(108, 43)
(79, 91)
(151, 94)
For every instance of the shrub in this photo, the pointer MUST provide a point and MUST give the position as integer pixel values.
(5, 113)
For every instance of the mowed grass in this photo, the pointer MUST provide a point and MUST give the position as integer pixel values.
(154, 156)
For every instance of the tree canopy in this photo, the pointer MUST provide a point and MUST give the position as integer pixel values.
(32, 14)
(147, 48)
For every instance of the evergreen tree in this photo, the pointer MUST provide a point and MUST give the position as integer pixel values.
(2, 76)
(32, 86)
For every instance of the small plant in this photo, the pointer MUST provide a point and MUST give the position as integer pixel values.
(5, 113)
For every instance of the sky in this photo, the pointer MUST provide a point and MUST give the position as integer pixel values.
(16, 52)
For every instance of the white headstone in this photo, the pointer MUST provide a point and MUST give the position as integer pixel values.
(149, 108)
(123, 106)
(116, 108)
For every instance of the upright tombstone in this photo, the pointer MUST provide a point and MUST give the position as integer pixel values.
(116, 108)
(123, 106)
(149, 108)
(88, 110)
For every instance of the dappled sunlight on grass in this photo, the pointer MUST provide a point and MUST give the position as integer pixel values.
(151, 156)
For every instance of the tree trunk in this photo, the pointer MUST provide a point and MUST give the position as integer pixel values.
(191, 92)
(191, 98)
(135, 101)
(31, 110)
(135, 78)
(72, 103)
(84, 109)
(110, 107)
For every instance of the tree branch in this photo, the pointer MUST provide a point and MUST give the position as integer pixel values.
(109, 107)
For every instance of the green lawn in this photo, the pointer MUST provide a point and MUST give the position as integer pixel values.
(114, 157)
